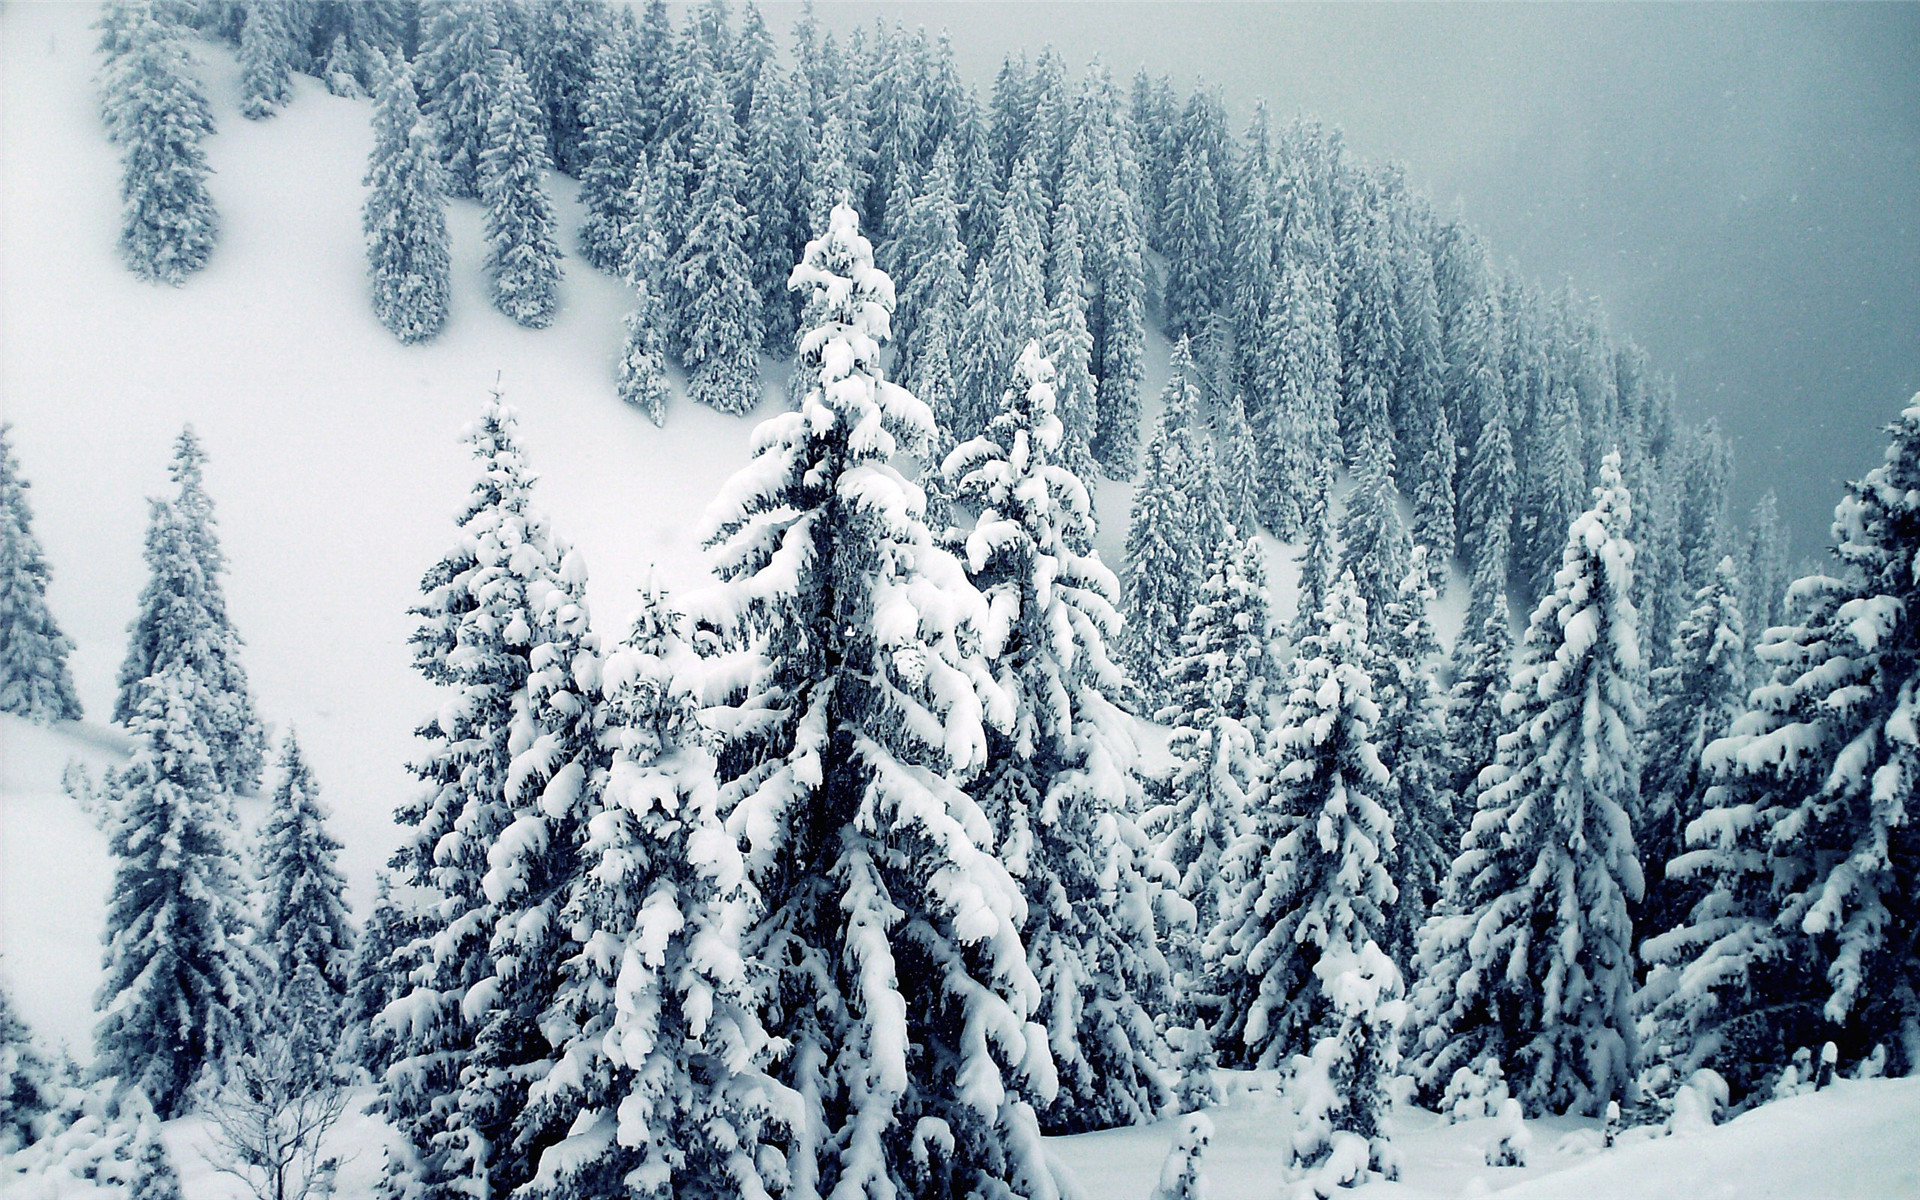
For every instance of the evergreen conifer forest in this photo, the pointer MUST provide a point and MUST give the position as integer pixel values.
(1130, 650)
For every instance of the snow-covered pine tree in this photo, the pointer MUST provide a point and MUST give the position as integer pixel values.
(1482, 665)
(1695, 697)
(31, 1084)
(183, 619)
(1530, 960)
(1373, 543)
(1069, 343)
(933, 279)
(1182, 1176)
(532, 865)
(1339, 1092)
(643, 368)
(405, 217)
(1166, 550)
(158, 116)
(1476, 399)
(659, 1046)
(1220, 682)
(1433, 502)
(1764, 568)
(34, 680)
(266, 58)
(478, 622)
(390, 945)
(1192, 233)
(899, 981)
(613, 146)
(341, 69)
(1240, 484)
(454, 72)
(1298, 433)
(1319, 555)
(306, 933)
(1370, 330)
(1806, 848)
(1060, 788)
(563, 40)
(1007, 301)
(523, 254)
(1548, 499)
(1309, 873)
(716, 309)
(181, 971)
(778, 140)
(1413, 744)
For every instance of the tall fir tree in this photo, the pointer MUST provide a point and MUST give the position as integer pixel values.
(1695, 697)
(1060, 790)
(1166, 547)
(1413, 744)
(900, 984)
(643, 367)
(1530, 960)
(1240, 483)
(479, 621)
(1099, 180)
(932, 280)
(1764, 567)
(1007, 301)
(1370, 329)
(778, 140)
(523, 253)
(658, 1043)
(267, 50)
(1069, 343)
(181, 973)
(1192, 232)
(1482, 665)
(405, 218)
(1433, 500)
(183, 619)
(1309, 876)
(613, 144)
(563, 39)
(1221, 684)
(306, 933)
(455, 74)
(1373, 543)
(1319, 555)
(34, 680)
(159, 117)
(716, 309)
(1297, 429)
(1806, 850)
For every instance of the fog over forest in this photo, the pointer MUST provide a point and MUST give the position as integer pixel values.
(1739, 184)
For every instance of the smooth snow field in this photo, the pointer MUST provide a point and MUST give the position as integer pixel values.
(336, 467)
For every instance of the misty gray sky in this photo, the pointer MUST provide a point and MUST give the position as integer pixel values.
(1738, 183)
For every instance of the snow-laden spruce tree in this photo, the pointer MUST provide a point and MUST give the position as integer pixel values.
(643, 367)
(1060, 789)
(1069, 343)
(267, 49)
(455, 75)
(1338, 1092)
(1298, 434)
(390, 945)
(183, 619)
(932, 276)
(182, 975)
(1807, 847)
(1433, 499)
(1007, 300)
(1240, 482)
(613, 143)
(1695, 697)
(34, 680)
(1193, 234)
(777, 140)
(1530, 960)
(405, 218)
(479, 622)
(898, 980)
(547, 793)
(1373, 542)
(1413, 744)
(306, 933)
(1220, 683)
(158, 116)
(523, 253)
(1172, 530)
(659, 1046)
(1309, 872)
(716, 311)
(1482, 665)
(1318, 555)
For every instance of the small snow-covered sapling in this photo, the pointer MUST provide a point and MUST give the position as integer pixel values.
(1181, 1175)
(1512, 1138)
